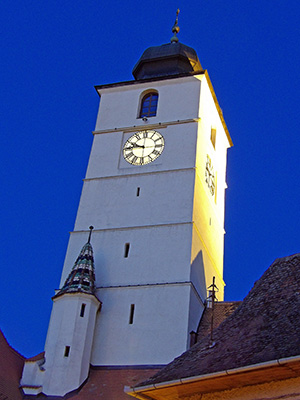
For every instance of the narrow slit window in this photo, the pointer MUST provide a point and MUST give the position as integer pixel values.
(126, 250)
(131, 314)
(67, 351)
(82, 310)
(213, 137)
(138, 191)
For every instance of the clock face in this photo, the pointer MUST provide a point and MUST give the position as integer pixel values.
(143, 147)
(210, 176)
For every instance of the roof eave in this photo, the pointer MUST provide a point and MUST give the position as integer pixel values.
(92, 295)
(280, 369)
(146, 80)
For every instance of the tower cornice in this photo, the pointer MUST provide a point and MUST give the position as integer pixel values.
(146, 80)
(143, 127)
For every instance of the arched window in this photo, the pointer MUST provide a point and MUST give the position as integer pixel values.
(149, 105)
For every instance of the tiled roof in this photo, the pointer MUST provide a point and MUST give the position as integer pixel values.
(11, 366)
(265, 327)
(222, 310)
(38, 357)
(82, 275)
(108, 383)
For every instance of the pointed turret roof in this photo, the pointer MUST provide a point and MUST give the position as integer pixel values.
(82, 276)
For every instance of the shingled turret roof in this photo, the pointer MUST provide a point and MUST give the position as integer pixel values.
(82, 276)
(265, 327)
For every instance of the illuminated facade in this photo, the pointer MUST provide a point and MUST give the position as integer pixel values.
(154, 191)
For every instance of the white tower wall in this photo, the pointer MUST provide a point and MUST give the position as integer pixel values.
(163, 211)
(141, 343)
(158, 227)
(178, 100)
(66, 372)
(174, 227)
(150, 255)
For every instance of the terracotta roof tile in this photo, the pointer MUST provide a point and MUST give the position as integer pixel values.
(11, 367)
(39, 356)
(222, 310)
(265, 327)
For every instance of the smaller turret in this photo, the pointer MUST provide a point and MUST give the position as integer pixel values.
(70, 335)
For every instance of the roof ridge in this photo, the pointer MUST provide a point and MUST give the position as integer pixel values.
(10, 346)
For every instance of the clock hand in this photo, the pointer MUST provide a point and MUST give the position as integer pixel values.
(135, 145)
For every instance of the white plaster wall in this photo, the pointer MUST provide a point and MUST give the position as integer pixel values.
(159, 329)
(32, 374)
(157, 254)
(164, 198)
(196, 308)
(208, 225)
(106, 158)
(91, 316)
(208, 213)
(67, 328)
(178, 99)
(175, 227)
(203, 268)
(210, 118)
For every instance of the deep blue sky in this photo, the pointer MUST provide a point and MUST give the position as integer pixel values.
(53, 53)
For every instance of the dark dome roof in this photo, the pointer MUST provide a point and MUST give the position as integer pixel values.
(165, 60)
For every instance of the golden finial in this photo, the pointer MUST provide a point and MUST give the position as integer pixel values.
(175, 29)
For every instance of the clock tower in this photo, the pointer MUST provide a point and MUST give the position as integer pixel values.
(154, 191)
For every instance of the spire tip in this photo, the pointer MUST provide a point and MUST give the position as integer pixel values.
(90, 234)
(175, 28)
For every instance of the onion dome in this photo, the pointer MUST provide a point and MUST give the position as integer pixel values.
(81, 279)
(169, 59)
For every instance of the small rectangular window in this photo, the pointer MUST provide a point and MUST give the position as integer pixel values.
(138, 191)
(67, 351)
(82, 310)
(131, 314)
(213, 136)
(126, 250)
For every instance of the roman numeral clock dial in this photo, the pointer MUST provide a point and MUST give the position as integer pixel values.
(210, 175)
(143, 147)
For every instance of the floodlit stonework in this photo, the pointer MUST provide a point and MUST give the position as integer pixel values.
(154, 192)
